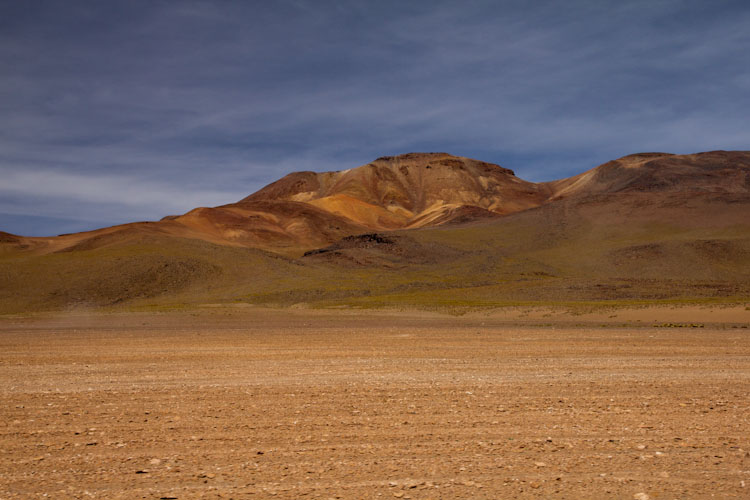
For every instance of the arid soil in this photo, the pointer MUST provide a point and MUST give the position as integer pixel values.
(301, 404)
(421, 231)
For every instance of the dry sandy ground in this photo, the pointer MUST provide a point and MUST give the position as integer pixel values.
(296, 404)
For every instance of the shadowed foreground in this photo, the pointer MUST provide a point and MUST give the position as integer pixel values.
(316, 405)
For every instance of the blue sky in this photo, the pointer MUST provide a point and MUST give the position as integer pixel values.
(113, 112)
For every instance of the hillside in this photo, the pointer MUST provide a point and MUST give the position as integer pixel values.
(419, 230)
(306, 210)
(409, 191)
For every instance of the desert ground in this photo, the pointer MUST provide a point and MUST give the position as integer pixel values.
(259, 403)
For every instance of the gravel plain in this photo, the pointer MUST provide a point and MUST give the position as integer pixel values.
(296, 404)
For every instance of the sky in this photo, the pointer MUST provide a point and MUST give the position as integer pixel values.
(118, 111)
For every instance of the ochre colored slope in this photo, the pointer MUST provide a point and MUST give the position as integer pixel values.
(718, 172)
(403, 190)
(265, 223)
(417, 190)
(427, 230)
(306, 210)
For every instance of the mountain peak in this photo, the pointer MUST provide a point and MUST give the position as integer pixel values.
(408, 190)
(429, 160)
(416, 156)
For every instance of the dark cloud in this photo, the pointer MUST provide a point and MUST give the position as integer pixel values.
(132, 110)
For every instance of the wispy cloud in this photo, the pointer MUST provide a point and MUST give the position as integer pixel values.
(125, 191)
(183, 104)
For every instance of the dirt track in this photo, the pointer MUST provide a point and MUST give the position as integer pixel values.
(296, 405)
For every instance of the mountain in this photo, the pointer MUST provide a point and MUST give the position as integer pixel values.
(715, 172)
(423, 230)
(409, 191)
(306, 210)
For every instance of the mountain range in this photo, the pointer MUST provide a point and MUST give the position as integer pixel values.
(418, 230)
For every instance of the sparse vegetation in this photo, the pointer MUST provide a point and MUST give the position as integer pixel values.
(591, 249)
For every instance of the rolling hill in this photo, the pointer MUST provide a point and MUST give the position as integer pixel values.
(418, 230)
(306, 210)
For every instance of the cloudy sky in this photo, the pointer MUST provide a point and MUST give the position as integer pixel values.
(119, 111)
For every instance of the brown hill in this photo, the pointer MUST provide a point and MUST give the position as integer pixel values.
(419, 229)
(411, 190)
(306, 210)
(715, 172)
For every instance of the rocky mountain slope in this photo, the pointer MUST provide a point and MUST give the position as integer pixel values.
(423, 229)
(305, 210)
